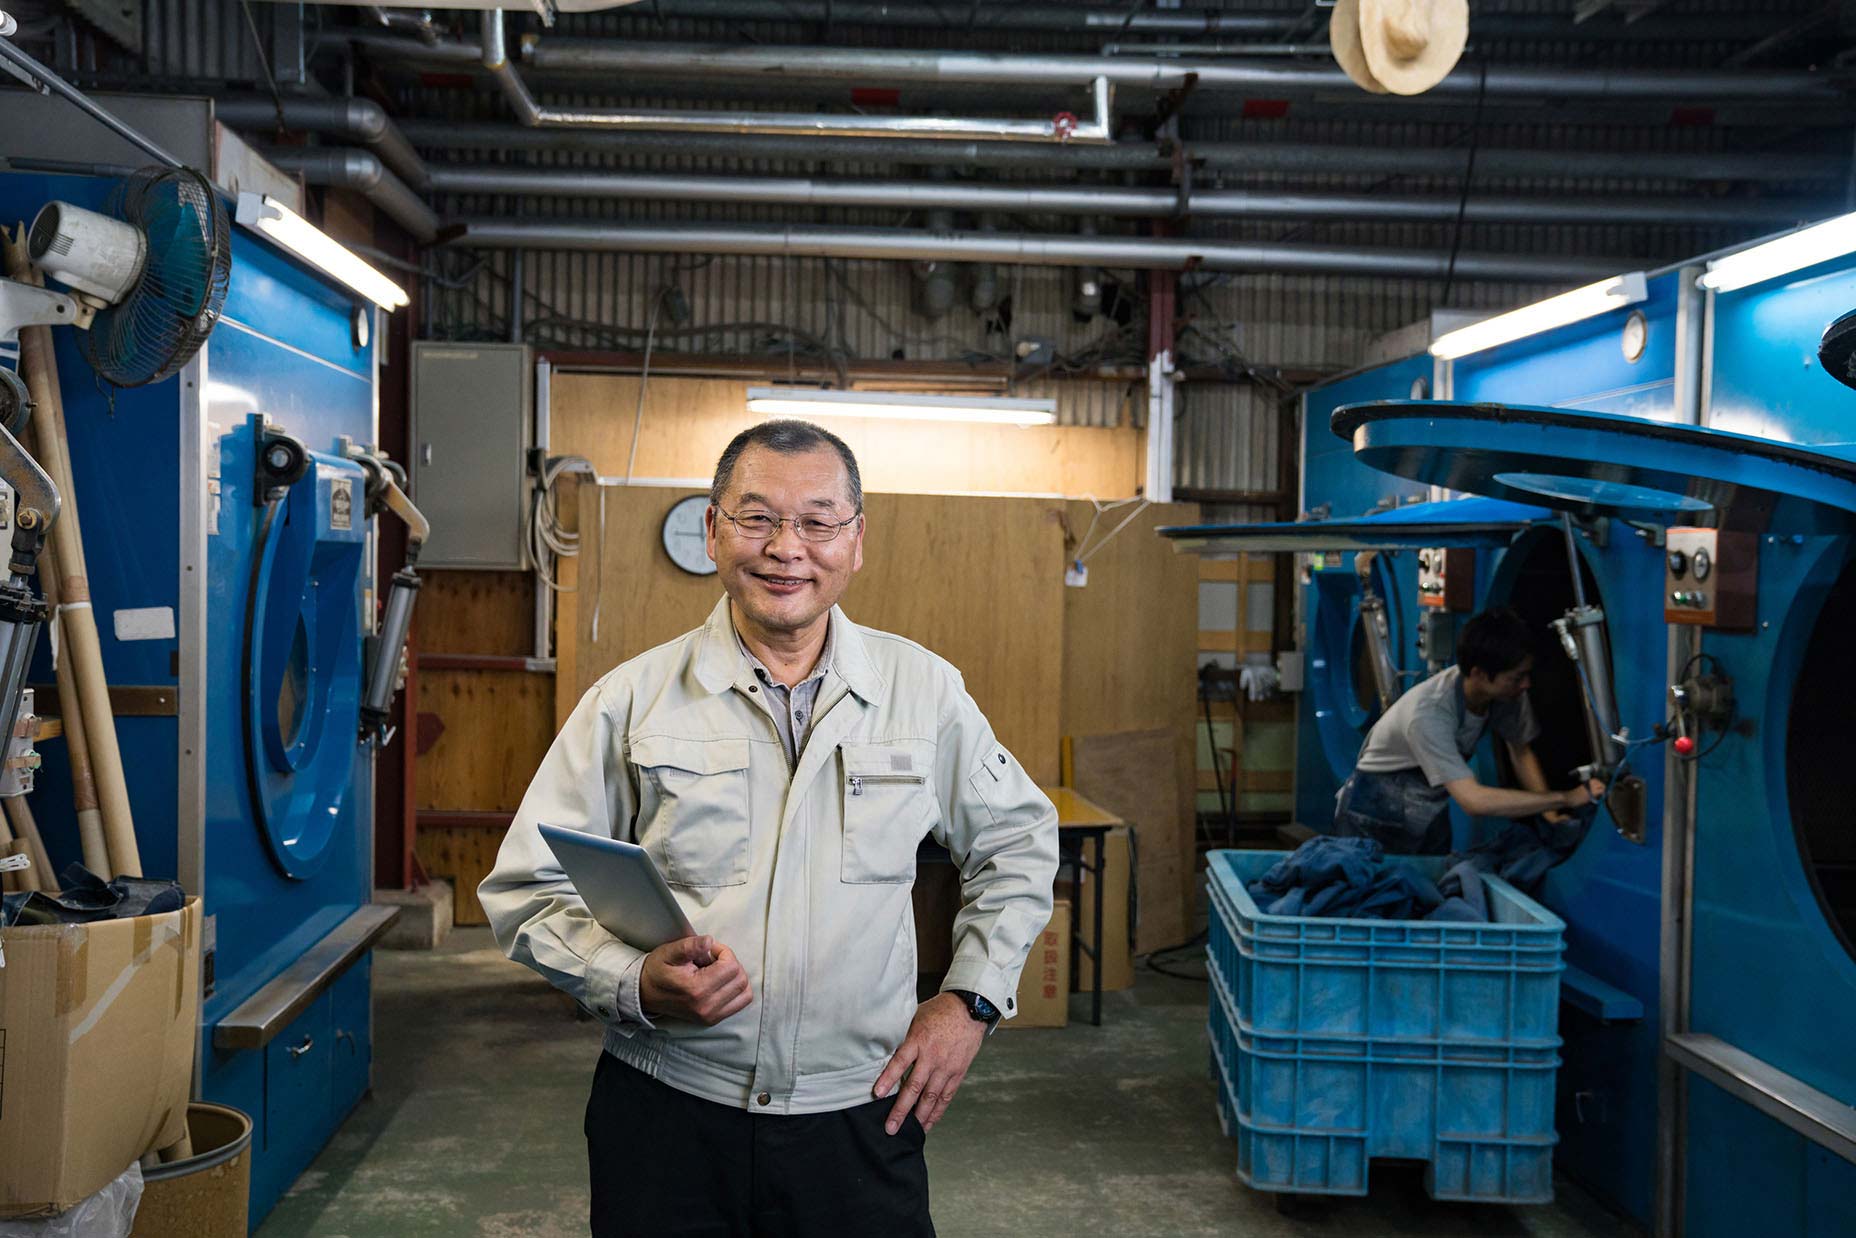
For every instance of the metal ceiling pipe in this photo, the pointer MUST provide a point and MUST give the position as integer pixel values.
(358, 120)
(1111, 200)
(363, 172)
(1021, 249)
(1118, 19)
(1292, 157)
(890, 66)
(1064, 127)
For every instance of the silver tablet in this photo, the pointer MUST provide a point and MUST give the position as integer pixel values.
(620, 886)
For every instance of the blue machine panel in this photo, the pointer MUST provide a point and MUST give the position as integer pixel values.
(1584, 365)
(1765, 379)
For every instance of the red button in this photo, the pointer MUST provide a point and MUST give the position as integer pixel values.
(1684, 745)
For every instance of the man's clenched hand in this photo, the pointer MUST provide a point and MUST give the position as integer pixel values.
(942, 1042)
(696, 978)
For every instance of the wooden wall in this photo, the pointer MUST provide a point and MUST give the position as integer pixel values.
(687, 422)
(482, 729)
(1130, 664)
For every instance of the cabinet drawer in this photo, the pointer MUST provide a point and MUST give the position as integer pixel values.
(351, 1050)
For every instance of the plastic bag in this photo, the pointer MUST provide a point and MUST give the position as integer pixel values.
(110, 1213)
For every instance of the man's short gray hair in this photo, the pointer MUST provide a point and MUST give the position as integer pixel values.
(789, 438)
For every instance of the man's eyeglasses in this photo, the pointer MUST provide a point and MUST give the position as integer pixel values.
(759, 526)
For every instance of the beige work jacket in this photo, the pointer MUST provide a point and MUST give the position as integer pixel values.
(805, 874)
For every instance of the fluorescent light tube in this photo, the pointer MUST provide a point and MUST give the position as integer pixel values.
(1580, 303)
(1782, 255)
(900, 406)
(318, 248)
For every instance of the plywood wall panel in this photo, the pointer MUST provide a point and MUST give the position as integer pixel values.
(1130, 663)
(482, 736)
(475, 612)
(465, 854)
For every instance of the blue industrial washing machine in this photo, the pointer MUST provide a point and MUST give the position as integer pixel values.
(1759, 983)
(1513, 554)
(225, 503)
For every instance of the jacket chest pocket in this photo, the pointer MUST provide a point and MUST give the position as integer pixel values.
(888, 808)
(699, 820)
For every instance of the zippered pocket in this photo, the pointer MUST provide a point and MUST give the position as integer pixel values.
(888, 808)
(857, 782)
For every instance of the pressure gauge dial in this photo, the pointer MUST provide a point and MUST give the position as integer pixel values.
(1636, 335)
(685, 540)
(1703, 564)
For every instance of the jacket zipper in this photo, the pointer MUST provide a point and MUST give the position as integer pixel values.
(857, 781)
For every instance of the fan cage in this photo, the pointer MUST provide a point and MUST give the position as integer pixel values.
(158, 327)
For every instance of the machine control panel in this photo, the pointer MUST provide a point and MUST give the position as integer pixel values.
(1447, 579)
(1709, 578)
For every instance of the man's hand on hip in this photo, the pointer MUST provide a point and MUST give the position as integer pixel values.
(943, 1039)
(696, 978)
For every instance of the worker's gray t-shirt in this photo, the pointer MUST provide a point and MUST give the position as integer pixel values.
(1431, 728)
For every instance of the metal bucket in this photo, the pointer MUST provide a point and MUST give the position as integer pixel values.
(206, 1195)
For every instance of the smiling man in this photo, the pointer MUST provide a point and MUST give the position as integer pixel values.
(775, 1075)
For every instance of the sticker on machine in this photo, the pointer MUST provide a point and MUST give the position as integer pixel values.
(145, 623)
(341, 503)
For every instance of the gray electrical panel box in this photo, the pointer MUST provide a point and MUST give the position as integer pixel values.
(473, 419)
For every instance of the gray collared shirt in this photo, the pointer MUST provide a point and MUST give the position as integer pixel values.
(792, 708)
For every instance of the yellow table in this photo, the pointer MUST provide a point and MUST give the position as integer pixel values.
(1082, 821)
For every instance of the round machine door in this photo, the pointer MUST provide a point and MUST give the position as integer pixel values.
(303, 661)
(1341, 701)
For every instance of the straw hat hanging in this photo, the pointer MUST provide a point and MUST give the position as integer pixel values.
(1349, 52)
(1411, 45)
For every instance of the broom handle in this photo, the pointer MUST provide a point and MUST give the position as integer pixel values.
(83, 786)
(38, 364)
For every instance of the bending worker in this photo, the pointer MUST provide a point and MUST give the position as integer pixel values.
(1416, 758)
(780, 764)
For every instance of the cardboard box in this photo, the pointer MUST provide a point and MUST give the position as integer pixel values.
(97, 1031)
(1118, 954)
(1044, 985)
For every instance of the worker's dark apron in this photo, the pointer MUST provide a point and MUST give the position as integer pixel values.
(1399, 809)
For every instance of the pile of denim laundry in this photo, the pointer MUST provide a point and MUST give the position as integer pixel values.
(1351, 878)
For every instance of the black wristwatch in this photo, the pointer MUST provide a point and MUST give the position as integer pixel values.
(978, 1007)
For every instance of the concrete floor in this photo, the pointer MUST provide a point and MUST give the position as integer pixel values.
(481, 1076)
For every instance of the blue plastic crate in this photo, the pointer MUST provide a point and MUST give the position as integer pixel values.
(1339, 1041)
(1310, 1115)
(1447, 981)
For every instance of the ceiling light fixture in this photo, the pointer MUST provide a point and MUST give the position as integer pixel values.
(1794, 251)
(1580, 303)
(319, 249)
(900, 406)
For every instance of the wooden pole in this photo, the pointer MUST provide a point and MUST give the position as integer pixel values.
(83, 786)
(39, 367)
(26, 830)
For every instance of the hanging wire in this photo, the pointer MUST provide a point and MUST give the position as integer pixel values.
(1085, 552)
(549, 539)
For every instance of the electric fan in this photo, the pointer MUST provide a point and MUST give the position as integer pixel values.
(151, 281)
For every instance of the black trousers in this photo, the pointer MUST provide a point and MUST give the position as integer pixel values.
(665, 1164)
